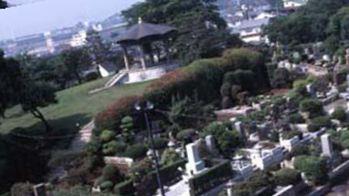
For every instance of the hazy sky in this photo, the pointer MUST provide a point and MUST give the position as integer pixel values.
(44, 15)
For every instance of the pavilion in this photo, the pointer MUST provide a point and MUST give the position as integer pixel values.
(142, 36)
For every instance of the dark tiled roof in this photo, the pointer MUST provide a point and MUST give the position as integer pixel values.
(144, 30)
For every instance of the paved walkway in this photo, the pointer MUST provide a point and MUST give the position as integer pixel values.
(82, 138)
(77, 145)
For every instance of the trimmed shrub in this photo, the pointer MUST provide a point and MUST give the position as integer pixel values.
(290, 134)
(313, 106)
(107, 136)
(186, 134)
(187, 81)
(110, 173)
(210, 178)
(136, 151)
(125, 188)
(314, 168)
(286, 176)
(339, 114)
(319, 122)
(296, 118)
(111, 117)
(169, 157)
(113, 147)
(106, 186)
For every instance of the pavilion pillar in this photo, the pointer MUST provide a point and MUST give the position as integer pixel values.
(126, 59)
(143, 62)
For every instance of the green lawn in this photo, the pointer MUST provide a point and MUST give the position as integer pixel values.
(75, 106)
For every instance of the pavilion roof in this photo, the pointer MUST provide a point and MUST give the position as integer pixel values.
(142, 31)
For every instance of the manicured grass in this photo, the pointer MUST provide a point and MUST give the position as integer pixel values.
(75, 106)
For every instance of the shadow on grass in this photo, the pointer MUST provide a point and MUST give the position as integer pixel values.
(24, 153)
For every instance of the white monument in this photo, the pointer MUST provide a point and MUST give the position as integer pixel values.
(326, 145)
(195, 165)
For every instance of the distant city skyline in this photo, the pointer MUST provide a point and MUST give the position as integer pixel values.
(44, 15)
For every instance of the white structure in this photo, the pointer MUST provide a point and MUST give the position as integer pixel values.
(250, 31)
(195, 165)
(264, 158)
(79, 39)
(294, 4)
(326, 145)
(289, 144)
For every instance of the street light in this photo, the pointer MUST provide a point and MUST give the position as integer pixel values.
(145, 108)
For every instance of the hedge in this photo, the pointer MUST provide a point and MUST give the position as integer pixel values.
(125, 188)
(210, 178)
(201, 79)
(168, 174)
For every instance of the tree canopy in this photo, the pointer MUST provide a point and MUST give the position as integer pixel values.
(307, 24)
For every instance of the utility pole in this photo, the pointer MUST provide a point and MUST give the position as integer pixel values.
(145, 109)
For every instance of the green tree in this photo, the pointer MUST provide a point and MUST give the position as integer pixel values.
(169, 157)
(98, 50)
(10, 77)
(286, 176)
(339, 114)
(75, 60)
(315, 168)
(307, 24)
(127, 128)
(35, 95)
(314, 107)
(281, 78)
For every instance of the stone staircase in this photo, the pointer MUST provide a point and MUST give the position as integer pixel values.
(113, 81)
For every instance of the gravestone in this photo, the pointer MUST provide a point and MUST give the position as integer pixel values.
(240, 129)
(326, 145)
(210, 143)
(39, 189)
(195, 165)
(311, 90)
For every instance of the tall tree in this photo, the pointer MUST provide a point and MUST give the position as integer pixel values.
(307, 24)
(9, 76)
(75, 60)
(35, 95)
(205, 37)
(98, 50)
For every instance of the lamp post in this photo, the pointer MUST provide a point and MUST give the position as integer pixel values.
(148, 106)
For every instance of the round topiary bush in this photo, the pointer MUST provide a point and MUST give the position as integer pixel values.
(319, 122)
(136, 151)
(107, 136)
(312, 106)
(113, 147)
(339, 114)
(286, 176)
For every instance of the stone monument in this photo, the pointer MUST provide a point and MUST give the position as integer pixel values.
(326, 145)
(195, 165)
(210, 143)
